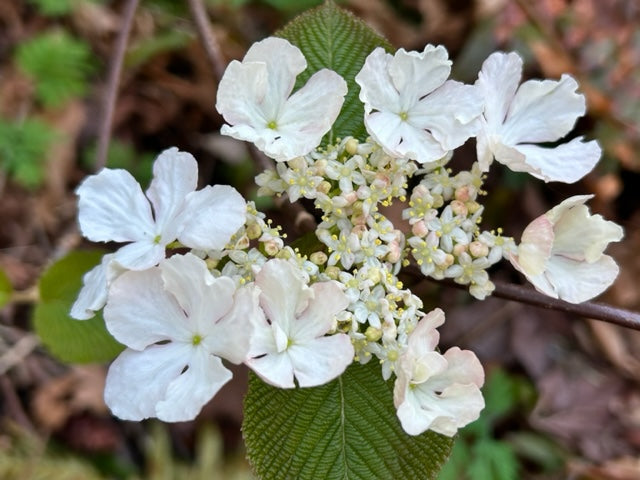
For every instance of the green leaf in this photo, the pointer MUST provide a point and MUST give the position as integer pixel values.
(346, 429)
(58, 64)
(493, 460)
(73, 341)
(5, 289)
(330, 37)
(23, 150)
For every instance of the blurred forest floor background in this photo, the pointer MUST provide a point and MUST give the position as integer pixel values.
(563, 392)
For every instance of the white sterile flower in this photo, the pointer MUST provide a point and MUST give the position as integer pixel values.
(433, 391)
(290, 341)
(177, 320)
(112, 207)
(411, 109)
(254, 98)
(95, 288)
(561, 252)
(516, 118)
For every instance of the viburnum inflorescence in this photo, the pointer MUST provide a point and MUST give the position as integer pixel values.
(306, 315)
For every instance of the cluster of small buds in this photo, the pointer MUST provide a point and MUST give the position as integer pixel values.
(445, 215)
(350, 181)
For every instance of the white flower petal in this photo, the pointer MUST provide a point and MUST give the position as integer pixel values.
(283, 292)
(402, 139)
(308, 115)
(112, 207)
(93, 295)
(137, 381)
(188, 393)
(567, 163)
(543, 111)
(458, 405)
(140, 255)
(203, 298)
(230, 336)
(577, 282)
(140, 312)
(377, 90)
(582, 236)
(318, 361)
(241, 93)
(484, 151)
(284, 63)
(275, 369)
(175, 175)
(498, 81)
(415, 75)
(449, 113)
(211, 216)
(425, 337)
(535, 247)
(316, 320)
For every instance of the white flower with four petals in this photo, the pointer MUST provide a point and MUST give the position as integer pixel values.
(411, 109)
(516, 118)
(177, 322)
(290, 336)
(254, 97)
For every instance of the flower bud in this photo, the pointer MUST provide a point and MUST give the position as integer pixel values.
(373, 334)
(420, 229)
(332, 272)
(459, 208)
(473, 206)
(462, 193)
(478, 249)
(253, 231)
(459, 248)
(324, 187)
(319, 258)
(351, 147)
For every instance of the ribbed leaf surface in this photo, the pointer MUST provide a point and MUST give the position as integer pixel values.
(344, 430)
(73, 341)
(330, 37)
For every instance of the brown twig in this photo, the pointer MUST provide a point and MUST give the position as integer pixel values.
(529, 296)
(111, 93)
(594, 310)
(208, 39)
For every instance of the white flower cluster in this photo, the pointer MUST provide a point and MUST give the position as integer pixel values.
(416, 117)
(179, 316)
(242, 295)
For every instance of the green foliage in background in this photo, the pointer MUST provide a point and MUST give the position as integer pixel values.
(6, 289)
(58, 64)
(23, 150)
(54, 8)
(124, 155)
(479, 455)
(72, 341)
